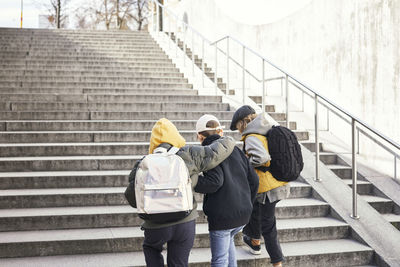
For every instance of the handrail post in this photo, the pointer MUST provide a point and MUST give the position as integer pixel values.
(317, 178)
(184, 47)
(202, 61)
(169, 31)
(227, 65)
(157, 19)
(358, 141)
(354, 167)
(192, 53)
(395, 167)
(216, 67)
(327, 119)
(176, 38)
(263, 87)
(287, 99)
(152, 17)
(243, 69)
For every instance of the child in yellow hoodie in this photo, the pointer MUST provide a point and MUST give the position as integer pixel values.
(262, 222)
(178, 235)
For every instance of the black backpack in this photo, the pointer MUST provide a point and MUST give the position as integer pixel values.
(286, 159)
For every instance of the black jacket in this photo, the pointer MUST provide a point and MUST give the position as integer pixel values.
(230, 190)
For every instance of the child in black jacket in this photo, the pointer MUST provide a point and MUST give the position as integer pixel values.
(230, 190)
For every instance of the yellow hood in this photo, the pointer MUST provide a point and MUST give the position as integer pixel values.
(165, 131)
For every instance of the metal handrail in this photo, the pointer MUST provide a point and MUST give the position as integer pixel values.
(305, 90)
(318, 94)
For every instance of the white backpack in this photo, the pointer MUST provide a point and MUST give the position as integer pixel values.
(163, 187)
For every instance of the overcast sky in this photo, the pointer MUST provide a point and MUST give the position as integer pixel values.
(253, 12)
(10, 12)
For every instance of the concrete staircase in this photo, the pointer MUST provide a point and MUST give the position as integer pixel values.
(76, 112)
(200, 63)
(369, 192)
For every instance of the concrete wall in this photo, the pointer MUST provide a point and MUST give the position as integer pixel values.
(347, 50)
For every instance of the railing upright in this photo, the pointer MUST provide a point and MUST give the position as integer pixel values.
(192, 53)
(184, 46)
(157, 19)
(287, 99)
(354, 215)
(216, 67)
(317, 178)
(227, 66)
(263, 87)
(243, 76)
(202, 61)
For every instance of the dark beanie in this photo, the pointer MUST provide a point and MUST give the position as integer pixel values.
(241, 113)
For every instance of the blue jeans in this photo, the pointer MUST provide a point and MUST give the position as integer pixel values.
(223, 252)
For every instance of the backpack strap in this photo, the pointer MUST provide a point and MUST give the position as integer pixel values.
(260, 168)
(173, 150)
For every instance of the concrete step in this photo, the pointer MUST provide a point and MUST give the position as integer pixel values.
(382, 205)
(99, 136)
(59, 47)
(63, 163)
(394, 219)
(36, 53)
(78, 39)
(47, 63)
(71, 33)
(331, 158)
(94, 91)
(11, 137)
(363, 187)
(107, 98)
(55, 42)
(70, 179)
(123, 239)
(81, 52)
(82, 46)
(12, 81)
(159, 106)
(99, 58)
(89, 42)
(343, 172)
(341, 252)
(85, 65)
(96, 115)
(278, 116)
(124, 85)
(74, 149)
(94, 179)
(22, 74)
(61, 69)
(311, 146)
(97, 215)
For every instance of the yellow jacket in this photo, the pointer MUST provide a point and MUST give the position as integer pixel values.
(267, 181)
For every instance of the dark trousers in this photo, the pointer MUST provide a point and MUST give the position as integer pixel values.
(179, 239)
(263, 222)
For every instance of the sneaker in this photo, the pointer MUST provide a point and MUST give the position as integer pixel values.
(254, 249)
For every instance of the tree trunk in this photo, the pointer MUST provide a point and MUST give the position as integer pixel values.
(58, 15)
(106, 15)
(160, 15)
(118, 18)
